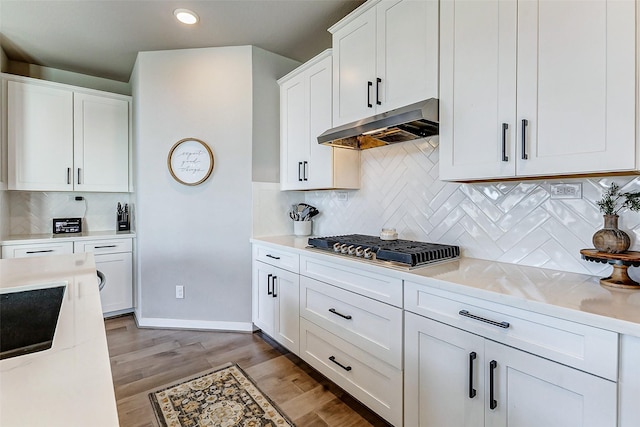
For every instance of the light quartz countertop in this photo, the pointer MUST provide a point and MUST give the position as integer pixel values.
(24, 239)
(570, 296)
(69, 384)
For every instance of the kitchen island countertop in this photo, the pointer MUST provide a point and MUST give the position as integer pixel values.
(571, 296)
(69, 384)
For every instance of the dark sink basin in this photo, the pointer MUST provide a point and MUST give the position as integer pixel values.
(28, 319)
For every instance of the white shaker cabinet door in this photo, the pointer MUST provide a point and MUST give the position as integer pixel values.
(320, 170)
(294, 150)
(40, 137)
(406, 53)
(101, 143)
(444, 375)
(576, 86)
(529, 391)
(354, 51)
(477, 89)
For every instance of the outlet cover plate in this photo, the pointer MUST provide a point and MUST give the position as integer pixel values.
(566, 191)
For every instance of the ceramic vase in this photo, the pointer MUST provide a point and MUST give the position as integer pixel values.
(610, 239)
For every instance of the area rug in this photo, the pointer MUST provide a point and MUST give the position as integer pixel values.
(222, 397)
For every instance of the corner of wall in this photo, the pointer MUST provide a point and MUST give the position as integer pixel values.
(267, 68)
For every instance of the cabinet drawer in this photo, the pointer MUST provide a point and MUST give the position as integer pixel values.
(37, 249)
(583, 347)
(373, 382)
(373, 285)
(277, 258)
(371, 325)
(105, 246)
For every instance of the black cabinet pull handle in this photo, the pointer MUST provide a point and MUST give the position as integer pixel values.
(466, 313)
(299, 171)
(378, 81)
(344, 316)
(525, 123)
(105, 246)
(492, 367)
(333, 359)
(505, 158)
(275, 295)
(472, 391)
(79, 176)
(369, 86)
(269, 291)
(271, 256)
(40, 252)
(305, 173)
(68, 175)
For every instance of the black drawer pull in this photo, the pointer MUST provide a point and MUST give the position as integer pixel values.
(104, 247)
(333, 359)
(505, 158)
(271, 256)
(492, 367)
(472, 391)
(525, 123)
(465, 313)
(347, 316)
(40, 252)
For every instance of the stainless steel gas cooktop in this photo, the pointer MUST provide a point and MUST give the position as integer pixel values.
(395, 253)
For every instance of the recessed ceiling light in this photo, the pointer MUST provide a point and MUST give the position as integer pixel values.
(186, 16)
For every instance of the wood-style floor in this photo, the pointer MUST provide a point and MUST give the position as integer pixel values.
(144, 359)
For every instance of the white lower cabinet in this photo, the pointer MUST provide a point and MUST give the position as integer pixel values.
(375, 383)
(275, 304)
(114, 266)
(629, 382)
(455, 378)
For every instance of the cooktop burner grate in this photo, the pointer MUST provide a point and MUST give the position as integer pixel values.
(405, 252)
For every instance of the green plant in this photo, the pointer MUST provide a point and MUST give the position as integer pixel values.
(613, 200)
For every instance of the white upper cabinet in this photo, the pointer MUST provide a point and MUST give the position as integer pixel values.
(536, 88)
(61, 140)
(40, 137)
(101, 143)
(305, 113)
(385, 57)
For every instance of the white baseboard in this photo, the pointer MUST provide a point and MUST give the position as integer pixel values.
(150, 322)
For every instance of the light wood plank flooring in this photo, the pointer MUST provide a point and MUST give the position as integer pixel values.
(144, 359)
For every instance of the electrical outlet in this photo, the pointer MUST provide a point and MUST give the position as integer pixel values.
(342, 196)
(566, 191)
(179, 291)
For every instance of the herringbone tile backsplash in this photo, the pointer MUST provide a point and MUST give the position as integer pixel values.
(511, 221)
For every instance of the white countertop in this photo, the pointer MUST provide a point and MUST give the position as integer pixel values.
(69, 384)
(20, 239)
(571, 296)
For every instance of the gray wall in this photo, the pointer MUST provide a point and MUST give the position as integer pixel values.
(266, 113)
(197, 236)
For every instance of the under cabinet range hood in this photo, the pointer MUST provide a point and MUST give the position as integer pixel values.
(414, 121)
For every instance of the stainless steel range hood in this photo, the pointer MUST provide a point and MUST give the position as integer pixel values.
(414, 121)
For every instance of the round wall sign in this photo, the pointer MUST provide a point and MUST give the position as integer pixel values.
(190, 161)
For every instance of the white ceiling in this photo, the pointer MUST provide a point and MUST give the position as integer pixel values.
(102, 37)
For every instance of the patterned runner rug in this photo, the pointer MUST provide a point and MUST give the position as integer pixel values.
(223, 397)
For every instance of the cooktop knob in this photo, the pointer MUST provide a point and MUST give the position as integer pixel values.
(351, 250)
(344, 248)
(359, 251)
(367, 253)
(336, 247)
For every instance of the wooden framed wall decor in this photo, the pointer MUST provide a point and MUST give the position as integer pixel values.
(190, 161)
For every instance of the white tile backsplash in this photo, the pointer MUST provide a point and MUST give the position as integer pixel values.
(32, 212)
(510, 221)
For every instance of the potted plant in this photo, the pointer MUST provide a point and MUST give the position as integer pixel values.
(610, 239)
